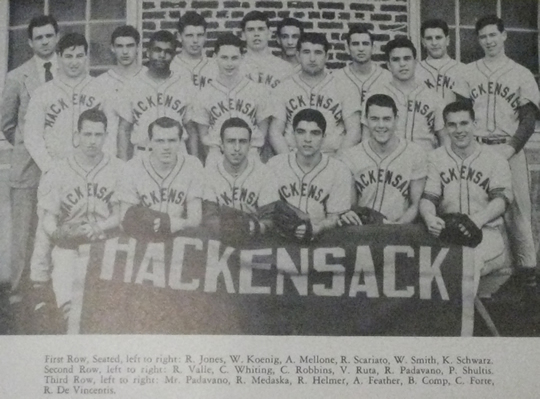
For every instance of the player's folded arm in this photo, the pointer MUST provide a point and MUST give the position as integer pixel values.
(276, 136)
(527, 114)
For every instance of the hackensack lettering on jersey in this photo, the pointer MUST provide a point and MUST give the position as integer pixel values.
(59, 105)
(465, 173)
(389, 177)
(77, 194)
(158, 100)
(498, 89)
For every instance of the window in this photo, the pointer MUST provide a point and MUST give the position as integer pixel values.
(96, 19)
(520, 18)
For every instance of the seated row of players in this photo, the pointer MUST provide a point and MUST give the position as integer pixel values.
(384, 172)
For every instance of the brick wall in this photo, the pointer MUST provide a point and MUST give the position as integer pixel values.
(385, 18)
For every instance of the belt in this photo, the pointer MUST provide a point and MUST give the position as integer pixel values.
(139, 148)
(492, 140)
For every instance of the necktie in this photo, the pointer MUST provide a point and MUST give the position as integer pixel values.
(48, 74)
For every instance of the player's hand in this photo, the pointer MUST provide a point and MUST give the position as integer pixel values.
(477, 221)
(505, 150)
(434, 225)
(349, 218)
(157, 223)
(86, 230)
(301, 230)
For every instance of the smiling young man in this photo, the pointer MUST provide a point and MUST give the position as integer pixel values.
(230, 95)
(164, 179)
(314, 87)
(389, 172)
(310, 180)
(438, 71)
(419, 108)
(191, 61)
(506, 100)
(155, 92)
(238, 181)
(260, 65)
(125, 49)
(467, 177)
(24, 173)
(65, 198)
(361, 73)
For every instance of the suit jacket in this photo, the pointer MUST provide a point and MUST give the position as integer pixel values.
(20, 84)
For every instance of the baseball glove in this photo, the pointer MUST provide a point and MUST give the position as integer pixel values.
(287, 218)
(368, 215)
(460, 229)
(69, 236)
(237, 226)
(139, 222)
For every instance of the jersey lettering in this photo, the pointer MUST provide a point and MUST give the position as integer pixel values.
(465, 173)
(239, 105)
(56, 108)
(302, 190)
(423, 109)
(162, 195)
(72, 198)
(384, 176)
(159, 100)
(497, 89)
(317, 101)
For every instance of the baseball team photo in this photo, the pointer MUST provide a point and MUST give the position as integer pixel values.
(335, 168)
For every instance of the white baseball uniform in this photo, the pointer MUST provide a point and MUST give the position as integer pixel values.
(497, 92)
(419, 113)
(347, 78)
(467, 186)
(323, 191)
(52, 117)
(254, 188)
(268, 70)
(200, 73)
(74, 194)
(112, 83)
(142, 184)
(216, 103)
(445, 76)
(143, 100)
(335, 102)
(382, 184)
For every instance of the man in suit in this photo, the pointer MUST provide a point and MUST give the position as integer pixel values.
(24, 175)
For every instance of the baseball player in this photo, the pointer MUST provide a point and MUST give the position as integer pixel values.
(310, 180)
(315, 88)
(154, 93)
(288, 31)
(124, 47)
(438, 71)
(506, 99)
(468, 177)
(24, 174)
(419, 108)
(164, 179)
(191, 61)
(52, 117)
(78, 191)
(238, 181)
(389, 172)
(260, 65)
(230, 95)
(361, 73)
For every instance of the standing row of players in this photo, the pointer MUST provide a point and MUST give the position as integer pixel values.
(266, 92)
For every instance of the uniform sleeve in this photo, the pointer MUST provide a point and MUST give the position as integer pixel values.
(122, 104)
(461, 86)
(346, 158)
(438, 124)
(127, 188)
(433, 189)
(49, 191)
(196, 189)
(500, 185)
(340, 197)
(529, 89)
(198, 113)
(419, 167)
(120, 166)
(349, 96)
(264, 107)
(269, 191)
(10, 107)
(209, 192)
(279, 110)
(34, 128)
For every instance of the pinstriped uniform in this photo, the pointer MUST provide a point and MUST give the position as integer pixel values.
(446, 77)
(200, 73)
(323, 191)
(382, 184)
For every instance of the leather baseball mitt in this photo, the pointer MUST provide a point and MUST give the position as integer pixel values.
(69, 236)
(287, 218)
(460, 229)
(237, 226)
(369, 216)
(139, 222)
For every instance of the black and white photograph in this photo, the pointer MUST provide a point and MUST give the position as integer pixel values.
(255, 171)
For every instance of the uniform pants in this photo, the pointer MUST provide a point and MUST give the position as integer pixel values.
(23, 227)
(518, 216)
(492, 260)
